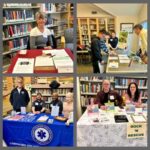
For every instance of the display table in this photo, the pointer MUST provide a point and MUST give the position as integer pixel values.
(105, 134)
(124, 68)
(28, 132)
(34, 54)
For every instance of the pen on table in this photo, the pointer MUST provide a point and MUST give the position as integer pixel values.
(52, 56)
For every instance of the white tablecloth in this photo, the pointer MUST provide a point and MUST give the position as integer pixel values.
(105, 134)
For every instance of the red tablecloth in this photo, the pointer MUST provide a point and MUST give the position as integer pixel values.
(33, 54)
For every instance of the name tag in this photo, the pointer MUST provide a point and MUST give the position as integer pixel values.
(22, 92)
(36, 104)
(112, 97)
(44, 35)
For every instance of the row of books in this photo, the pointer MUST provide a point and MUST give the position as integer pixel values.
(93, 78)
(61, 7)
(126, 82)
(16, 44)
(49, 91)
(85, 101)
(51, 21)
(16, 30)
(17, 4)
(90, 88)
(123, 92)
(17, 15)
(49, 99)
(48, 7)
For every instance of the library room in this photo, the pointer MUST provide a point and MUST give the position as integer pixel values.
(38, 111)
(112, 111)
(112, 38)
(38, 37)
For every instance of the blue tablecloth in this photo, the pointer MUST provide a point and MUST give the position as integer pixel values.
(29, 132)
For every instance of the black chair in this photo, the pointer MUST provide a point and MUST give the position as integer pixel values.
(28, 43)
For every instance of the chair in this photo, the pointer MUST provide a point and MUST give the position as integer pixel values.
(28, 43)
(68, 34)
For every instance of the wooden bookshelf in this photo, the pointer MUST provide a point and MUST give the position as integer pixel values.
(66, 85)
(7, 87)
(90, 86)
(88, 27)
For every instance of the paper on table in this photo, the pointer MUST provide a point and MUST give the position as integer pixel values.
(44, 61)
(43, 119)
(55, 111)
(138, 118)
(46, 51)
(124, 61)
(101, 67)
(16, 118)
(122, 55)
(59, 53)
(24, 65)
(23, 110)
(113, 58)
(113, 65)
(64, 64)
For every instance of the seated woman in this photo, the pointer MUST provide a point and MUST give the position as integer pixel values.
(133, 95)
(38, 106)
(40, 36)
(68, 105)
(113, 41)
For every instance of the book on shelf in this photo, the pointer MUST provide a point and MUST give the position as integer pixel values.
(94, 78)
(61, 7)
(48, 8)
(90, 88)
(16, 30)
(17, 15)
(125, 82)
(17, 5)
(16, 44)
(48, 91)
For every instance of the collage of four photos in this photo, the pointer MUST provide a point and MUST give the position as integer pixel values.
(67, 89)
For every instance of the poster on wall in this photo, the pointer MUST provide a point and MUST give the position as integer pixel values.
(127, 27)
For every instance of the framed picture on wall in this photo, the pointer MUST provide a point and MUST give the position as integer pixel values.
(127, 27)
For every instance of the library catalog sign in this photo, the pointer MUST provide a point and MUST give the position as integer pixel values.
(136, 130)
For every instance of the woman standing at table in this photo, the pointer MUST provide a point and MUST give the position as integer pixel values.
(40, 36)
(133, 95)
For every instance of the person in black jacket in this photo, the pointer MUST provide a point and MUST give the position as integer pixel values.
(98, 44)
(19, 96)
(56, 102)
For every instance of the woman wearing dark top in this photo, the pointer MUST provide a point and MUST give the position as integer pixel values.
(40, 36)
(113, 41)
(133, 95)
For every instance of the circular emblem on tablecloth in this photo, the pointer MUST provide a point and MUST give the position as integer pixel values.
(42, 134)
